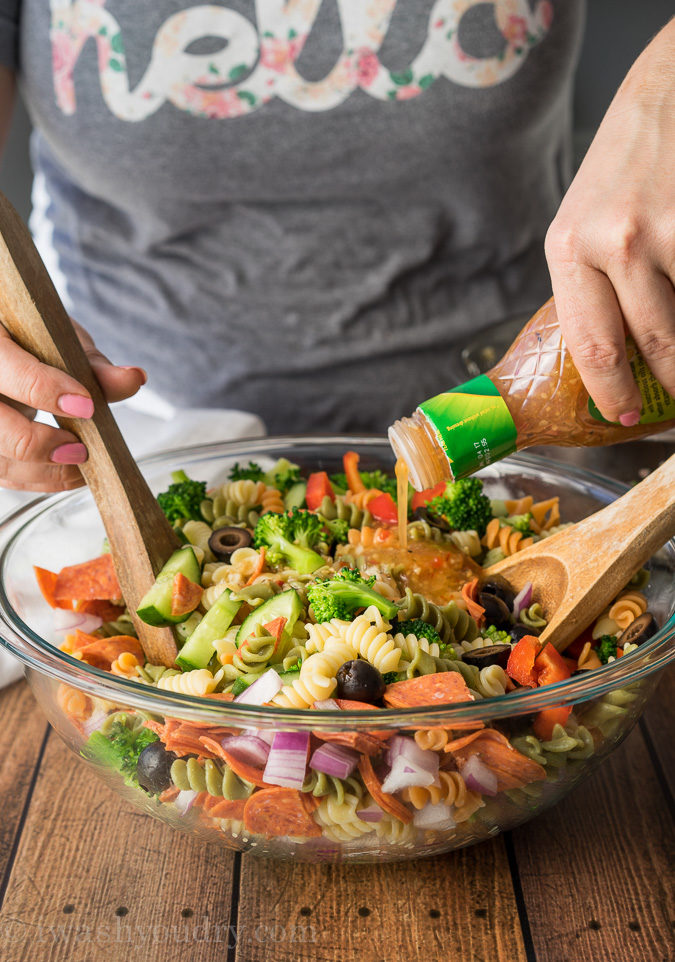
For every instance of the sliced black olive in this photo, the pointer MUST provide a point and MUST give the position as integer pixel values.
(224, 541)
(153, 768)
(638, 631)
(497, 612)
(491, 655)
(360, 681)
(519, 631)
(501, 591)
(422, 514)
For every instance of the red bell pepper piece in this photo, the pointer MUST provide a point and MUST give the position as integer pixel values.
(383, 508)
(421, 498)
(521, 661)
(550, 666)
(547, 719)
(318, 487)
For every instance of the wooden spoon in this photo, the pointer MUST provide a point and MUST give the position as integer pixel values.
(141, 539)
(577, 572)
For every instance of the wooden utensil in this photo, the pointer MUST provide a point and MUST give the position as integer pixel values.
(577, 572)
(141, 539)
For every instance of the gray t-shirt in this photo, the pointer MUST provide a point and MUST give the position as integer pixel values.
(297, 207)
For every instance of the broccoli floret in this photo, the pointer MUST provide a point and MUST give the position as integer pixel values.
(275, 533)
(389, 677)
(250, 472)
(497, 635)
(463, 505)
(183, 499)
(520, 522)
(371, 479)
(120, 747)
(307, 529)
(283, 475)
(420, 629)
(607, 648)
(340, 596)
(338, 530)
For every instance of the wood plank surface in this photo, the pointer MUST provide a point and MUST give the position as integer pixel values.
(597, 870)
(23, 728)
(459, 906)
(96, 880)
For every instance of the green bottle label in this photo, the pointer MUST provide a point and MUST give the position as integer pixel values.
(473, 425)
(657, 404)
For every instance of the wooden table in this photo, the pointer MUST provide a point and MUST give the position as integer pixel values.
(84, 877)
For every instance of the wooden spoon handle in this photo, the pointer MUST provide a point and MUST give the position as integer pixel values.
(140, 537)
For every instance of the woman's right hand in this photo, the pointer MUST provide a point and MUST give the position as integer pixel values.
(37, 457)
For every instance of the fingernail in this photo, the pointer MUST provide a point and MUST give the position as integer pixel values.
(76, 405)
(631, 419)
(74, 453)
(138, 370)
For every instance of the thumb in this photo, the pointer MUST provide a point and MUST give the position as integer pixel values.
(117, 383)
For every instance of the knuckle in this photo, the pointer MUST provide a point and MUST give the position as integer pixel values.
(32, 387)
(561, 244)
(624, 238)
(602, 356)
(20, 446)
(657, 346)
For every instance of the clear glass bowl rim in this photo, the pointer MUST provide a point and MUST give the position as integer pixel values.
(38, 654)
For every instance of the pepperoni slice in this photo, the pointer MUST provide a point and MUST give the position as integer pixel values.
(362, 742)
(512, 769)
(279, 811)
(442, 688)
(386, 802)
(89, 581)
(242, 769)
(47, 584)
(185, 595)
(225, 808)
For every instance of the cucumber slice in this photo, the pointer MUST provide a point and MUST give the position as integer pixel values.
(295, 496)
(288, 677)
(285, 605)
(198, 649)
(155, 607)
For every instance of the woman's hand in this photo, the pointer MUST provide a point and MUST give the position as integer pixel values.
(37, 457)
(611, 247)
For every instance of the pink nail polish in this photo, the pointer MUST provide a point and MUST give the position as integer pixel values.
(138, 370)
(76, 405)
(631, 419)
(74, 453)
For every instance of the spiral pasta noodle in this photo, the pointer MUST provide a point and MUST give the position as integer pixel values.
(533, 616)
(368, 636)
(421, 530)
(346, 511)
(410, 644)
(432, 739)
(450, 621)
(209, 775)
(198, 534)
(588, 659)
(393, 831)
(498, 535)
(272, 501)
(244, 492)
(199, 681)
(338, 818)
(125, 664)
(467, 541)
(151, 674)
(451, 790)
(366, 536)
(628, 606)
(493, 681)
(317, 677)
(362, 498)
(318, 635)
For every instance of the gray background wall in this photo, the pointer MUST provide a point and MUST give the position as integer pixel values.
(616, 32)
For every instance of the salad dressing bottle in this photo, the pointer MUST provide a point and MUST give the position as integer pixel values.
(534, 395)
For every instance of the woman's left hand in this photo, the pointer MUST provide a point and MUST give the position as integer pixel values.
(611, 246)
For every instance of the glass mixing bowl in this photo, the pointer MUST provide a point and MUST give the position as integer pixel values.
(78, 699)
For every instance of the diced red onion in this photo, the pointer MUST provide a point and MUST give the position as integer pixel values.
(478, 777)
(184, 801)
(66, 621)
(247, 748)
(334, 760)
(522, 599)
(328, 704)
(434, 816)
(94, 722)
(372, 813)
(264, 734)
(410, 765)
(287, 760)
(262, 690)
